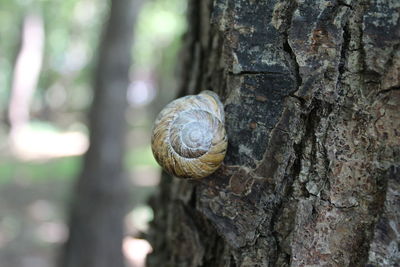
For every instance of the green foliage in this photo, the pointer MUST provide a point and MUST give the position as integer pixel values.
(65, 167)
(10, 24)
(160, 24)
(62, 168)
(141, 156)
(72, 33)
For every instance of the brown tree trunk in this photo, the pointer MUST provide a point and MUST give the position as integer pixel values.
(99, 203)
(312, 102)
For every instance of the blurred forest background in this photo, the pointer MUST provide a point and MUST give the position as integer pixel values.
(48, 52)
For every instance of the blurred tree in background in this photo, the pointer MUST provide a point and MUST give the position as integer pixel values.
(100, 202)
(38, 164)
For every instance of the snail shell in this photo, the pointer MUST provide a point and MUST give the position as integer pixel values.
(189, 138)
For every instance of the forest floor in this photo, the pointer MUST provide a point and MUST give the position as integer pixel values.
(34, 197)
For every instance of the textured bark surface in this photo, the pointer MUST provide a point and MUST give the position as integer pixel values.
(311, 91)
(100, 199)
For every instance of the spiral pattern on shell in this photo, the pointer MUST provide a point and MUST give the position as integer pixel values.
(189, 138)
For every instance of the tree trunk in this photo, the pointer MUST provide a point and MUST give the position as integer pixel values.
(99, 204)
(26, 74)
(312, 102)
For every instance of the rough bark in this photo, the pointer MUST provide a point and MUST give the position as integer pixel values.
(312, 102)
(99, 203)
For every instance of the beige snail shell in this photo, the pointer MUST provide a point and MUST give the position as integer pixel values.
(189, 138)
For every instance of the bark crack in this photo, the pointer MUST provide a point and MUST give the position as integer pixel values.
(288, 49)
(390, 89)
(345, 47)
(255, 73)
(342, 3)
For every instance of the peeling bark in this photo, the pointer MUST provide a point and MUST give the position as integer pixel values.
(312, 102)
